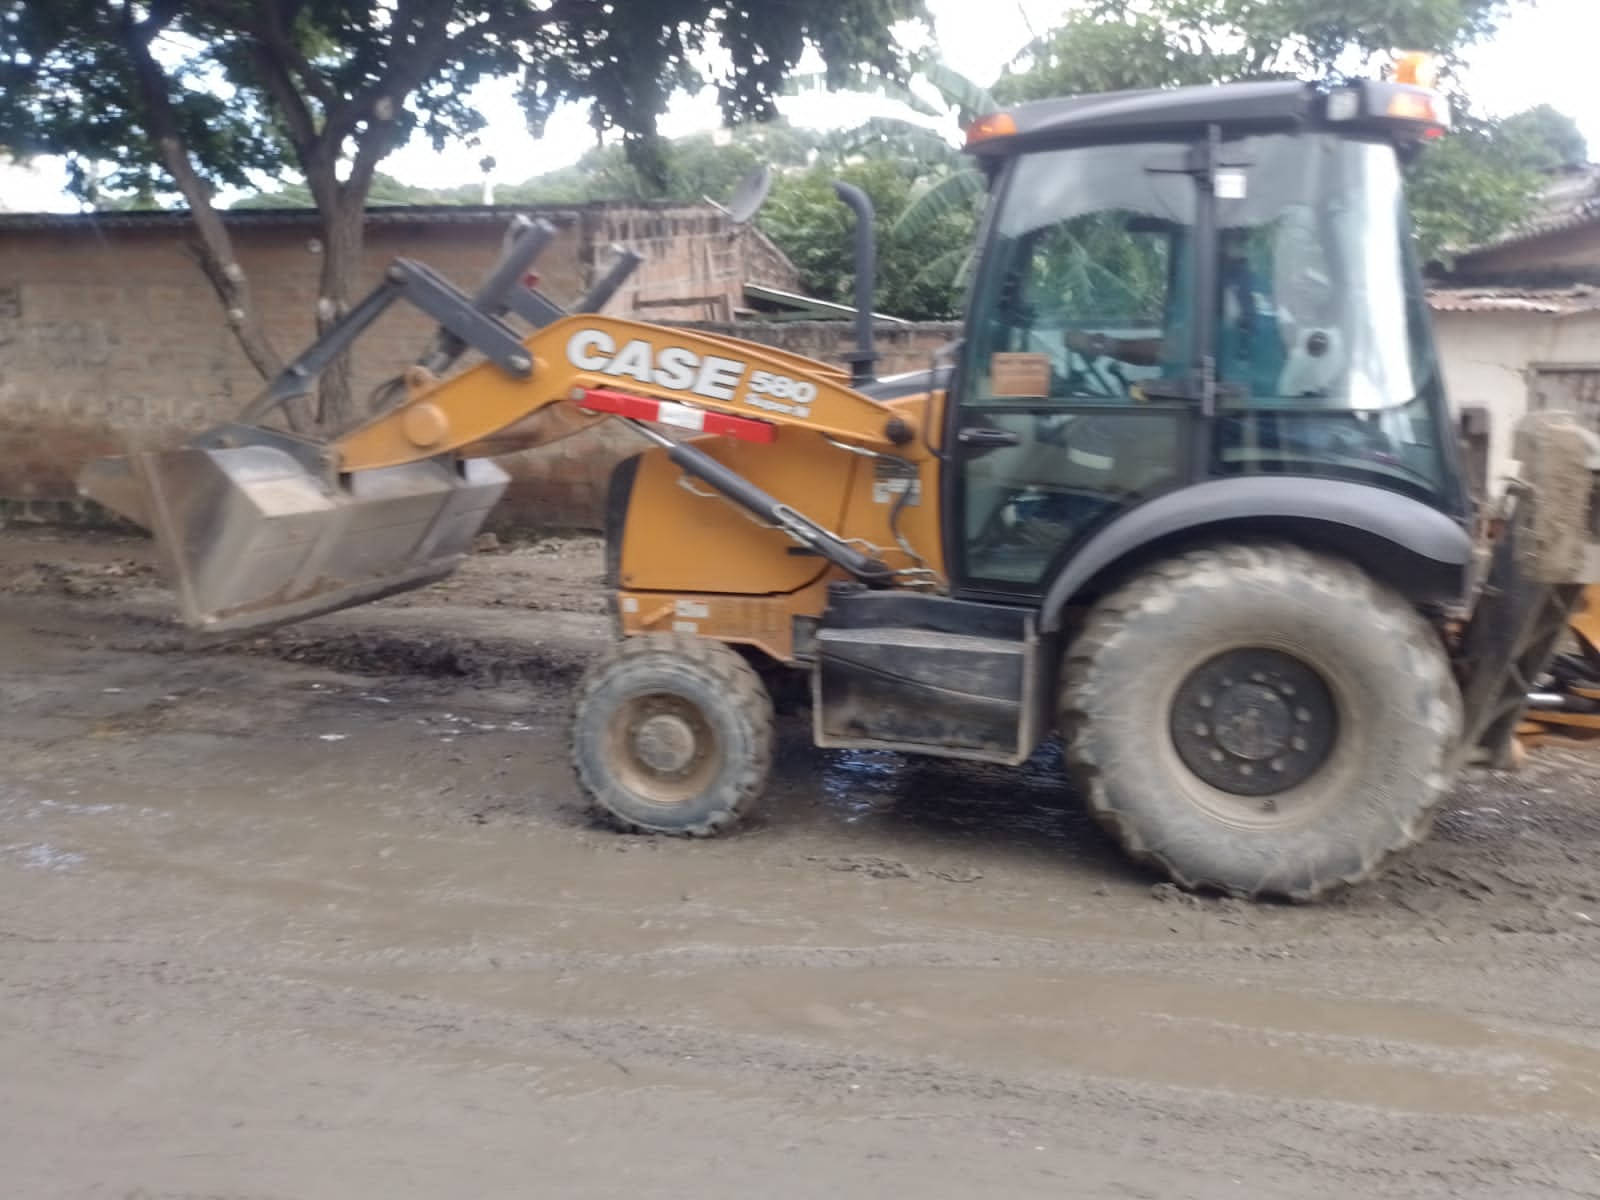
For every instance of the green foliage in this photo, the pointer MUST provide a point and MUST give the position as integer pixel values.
(1101, 50)
(385, 190)
(806, 218)
(1094, 265)
(1485, 178)
(268, 84)
(1108, 45)
(1465, 189)
(690, 168)
(1545, 138)
(183, 96)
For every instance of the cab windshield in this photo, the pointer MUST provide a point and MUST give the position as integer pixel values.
(1316, 334)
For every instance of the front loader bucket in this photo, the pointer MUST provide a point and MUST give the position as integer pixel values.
(251, 538)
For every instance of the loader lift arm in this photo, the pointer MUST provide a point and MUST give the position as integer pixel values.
(258, 526)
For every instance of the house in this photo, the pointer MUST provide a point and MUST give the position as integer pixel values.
(1518, 319)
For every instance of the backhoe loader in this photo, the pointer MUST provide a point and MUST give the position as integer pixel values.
(1566, 707)
(1185, 494)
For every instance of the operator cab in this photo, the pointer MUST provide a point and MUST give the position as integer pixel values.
(1190, 285)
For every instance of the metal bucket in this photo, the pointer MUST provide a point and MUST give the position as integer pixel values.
(251, 538)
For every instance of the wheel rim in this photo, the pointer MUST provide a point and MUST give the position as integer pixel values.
(1255, 724)
(663, 748)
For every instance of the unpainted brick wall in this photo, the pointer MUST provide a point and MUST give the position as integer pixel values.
(110, 337)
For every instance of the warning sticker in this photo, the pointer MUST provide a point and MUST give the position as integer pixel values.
(885, 491)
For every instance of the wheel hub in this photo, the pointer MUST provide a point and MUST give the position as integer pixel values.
(1251, 721)
(1254, 722)
(664, 743)
(663, 747)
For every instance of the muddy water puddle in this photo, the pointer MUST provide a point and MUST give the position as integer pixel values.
(1133, 1028)
(409, 848)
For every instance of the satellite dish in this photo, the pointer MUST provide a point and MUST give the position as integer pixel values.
(749, 195)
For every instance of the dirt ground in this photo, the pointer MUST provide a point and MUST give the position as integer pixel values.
(322, 915)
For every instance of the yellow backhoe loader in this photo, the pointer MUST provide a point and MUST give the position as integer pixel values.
(1566, 709)
(1186, 493)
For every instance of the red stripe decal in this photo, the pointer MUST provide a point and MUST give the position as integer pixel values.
(668, 412)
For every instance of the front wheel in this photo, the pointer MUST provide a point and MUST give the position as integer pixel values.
(1260, 720)
(672, 734)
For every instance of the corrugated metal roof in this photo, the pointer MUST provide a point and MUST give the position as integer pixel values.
(1546, 301)
(810, 304)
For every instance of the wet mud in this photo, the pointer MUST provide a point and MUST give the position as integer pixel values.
(321, 914)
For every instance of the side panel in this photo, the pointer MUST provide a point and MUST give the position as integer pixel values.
(928, 674)
(878, 487)
(689, 561)
(678, 540)
(765, 622)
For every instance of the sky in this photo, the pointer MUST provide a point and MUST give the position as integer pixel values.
(1543, 54)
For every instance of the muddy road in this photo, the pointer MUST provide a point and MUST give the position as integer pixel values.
(322, 915)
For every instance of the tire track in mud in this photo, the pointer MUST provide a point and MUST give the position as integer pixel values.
(927, 958)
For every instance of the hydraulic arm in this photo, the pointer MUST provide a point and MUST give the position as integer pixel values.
(259, 526)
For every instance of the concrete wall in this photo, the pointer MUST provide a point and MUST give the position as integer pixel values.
(110, 338)
(1486, 356)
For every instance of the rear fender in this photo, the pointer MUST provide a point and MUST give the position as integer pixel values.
(1418, 550)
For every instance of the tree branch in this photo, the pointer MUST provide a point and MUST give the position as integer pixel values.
(279, 33)
(222, 267)
(302, 127)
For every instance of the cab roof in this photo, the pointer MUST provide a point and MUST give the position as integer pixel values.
(1184, 111)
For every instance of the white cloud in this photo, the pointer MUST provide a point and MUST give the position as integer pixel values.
(1543, 55)
(33, 187)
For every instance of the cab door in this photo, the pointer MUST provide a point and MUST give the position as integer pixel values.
(1069, 403)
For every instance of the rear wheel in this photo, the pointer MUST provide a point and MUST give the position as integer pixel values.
(1260, 719)
(672, 734)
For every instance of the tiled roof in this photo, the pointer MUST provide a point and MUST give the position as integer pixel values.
(1547, 301)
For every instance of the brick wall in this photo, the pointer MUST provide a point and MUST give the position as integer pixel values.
(110, 338)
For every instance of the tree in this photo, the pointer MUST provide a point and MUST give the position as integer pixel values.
(1108, 45)
(1472, 186)
(1545, 138)
(691, 168)
(385, 190)
(183, 96)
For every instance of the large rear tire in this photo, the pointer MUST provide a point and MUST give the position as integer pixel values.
(1260, 720)
(672, 734)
